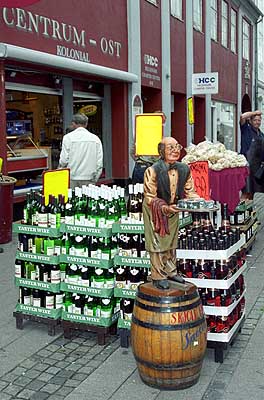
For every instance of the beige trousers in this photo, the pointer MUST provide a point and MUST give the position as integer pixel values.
(163, 264)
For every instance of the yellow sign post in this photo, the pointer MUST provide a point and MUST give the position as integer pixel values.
(56, 182)
(190, 110)
(148, 133)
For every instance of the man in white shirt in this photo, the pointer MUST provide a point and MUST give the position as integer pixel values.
(82, 153)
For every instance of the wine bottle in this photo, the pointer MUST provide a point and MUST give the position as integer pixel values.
(225, 218)
(30, 270)
(42, 213)
(49, 300)
(106, 308)
(59, 300)
(19, 268)
(62, 208)
(55, 276)
(69, 209)
(85, 279)
(27, 210)
(98, 278)
(63, 267)
(26, 296)
(36, 298)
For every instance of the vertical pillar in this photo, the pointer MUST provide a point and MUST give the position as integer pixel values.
(3, 148)
(189, 63)
(134, 65)
(107, 128)
(208, 118)
(67, 101)
(166, 64)
(239, 75)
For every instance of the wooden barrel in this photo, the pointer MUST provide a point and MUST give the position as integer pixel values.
(168, 335)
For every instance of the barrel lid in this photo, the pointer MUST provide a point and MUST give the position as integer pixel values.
(175, 290)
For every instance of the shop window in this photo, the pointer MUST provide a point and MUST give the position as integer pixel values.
(197, 14)
(224, 24)
(245, 40)
(176, 8)
(214, 16)
(223, 124)
(233, 29)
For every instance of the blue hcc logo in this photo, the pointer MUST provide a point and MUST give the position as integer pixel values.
(205, 80)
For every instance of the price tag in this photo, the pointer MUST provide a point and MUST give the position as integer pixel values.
(200, 174)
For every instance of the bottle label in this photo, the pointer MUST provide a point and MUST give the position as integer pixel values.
(17, 270)
(57, 250)
(69, 219)
(59, 300)
(106, 255)
(50, 251)
(63, 275)
(25, 216)
(94, 254)
(109, 283)
(43, 220)
(52, 220)
(36, 302)
(49, 302)
(77, 310)
(55, 276)
(101, 223)
(73, 279)
(79, 251)
(27, 300)
(85, 282)
(88, 311)
(98, 284)
(33, 275)
(106, 313)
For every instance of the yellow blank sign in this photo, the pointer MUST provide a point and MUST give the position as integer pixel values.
(1, 163)
(149, 132)
(56, 182)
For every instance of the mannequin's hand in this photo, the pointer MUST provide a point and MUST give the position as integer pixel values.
(171, 209)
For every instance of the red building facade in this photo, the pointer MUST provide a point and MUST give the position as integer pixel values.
(104, 53)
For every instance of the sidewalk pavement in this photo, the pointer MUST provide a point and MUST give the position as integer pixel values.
(34, 365)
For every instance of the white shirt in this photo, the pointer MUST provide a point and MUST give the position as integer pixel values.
(82, 152)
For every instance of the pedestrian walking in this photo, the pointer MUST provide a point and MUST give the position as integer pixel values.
(82, 153)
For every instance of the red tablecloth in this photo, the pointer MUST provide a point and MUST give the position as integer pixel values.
(226, 184)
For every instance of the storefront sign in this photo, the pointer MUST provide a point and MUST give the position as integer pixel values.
(68, 40)
(151, 69)
(206, 83)
(200, 175)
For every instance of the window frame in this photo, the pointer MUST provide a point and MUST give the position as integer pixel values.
(173, 9)
(245, 49)
(214, 18)
(233, 28)
(224, 24)
(198, 25)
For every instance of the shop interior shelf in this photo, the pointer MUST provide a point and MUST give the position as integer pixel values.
(132, 261)
(90, 262)
(92, 291)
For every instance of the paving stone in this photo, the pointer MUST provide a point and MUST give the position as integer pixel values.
(70, 359)
(65, 374)
(65, 390)
(3, 384)
(53, 347)
(32, 373)
(52, 388)
(73, 367)
(26, 394)
(29, 363)
(22, 381)
(58, 356)
(19, 371)
(44, 353)
(53, 370)
(40, 396)
(9, 377)
(41, 367)
(62, 364)
(13, 390)
(72, 345)
(87, 370)
(35, 385)
(95, 363)
(5, 396)
(80, 377)
(58, 380)
(63, 350)
(45, 377)
(50, 361)
(61, 341)
(72, 383)
(56, 397)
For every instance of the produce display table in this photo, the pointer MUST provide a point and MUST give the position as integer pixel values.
(226, 184)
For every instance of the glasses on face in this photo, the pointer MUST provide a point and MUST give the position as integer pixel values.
(171, 148)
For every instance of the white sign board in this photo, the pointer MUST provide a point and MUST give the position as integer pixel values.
(206, 83)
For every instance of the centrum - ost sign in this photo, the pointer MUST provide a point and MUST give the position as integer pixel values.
(205, 83)
(72, 42)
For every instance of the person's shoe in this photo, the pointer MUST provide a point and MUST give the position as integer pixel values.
(176, 278)
(161, 284)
